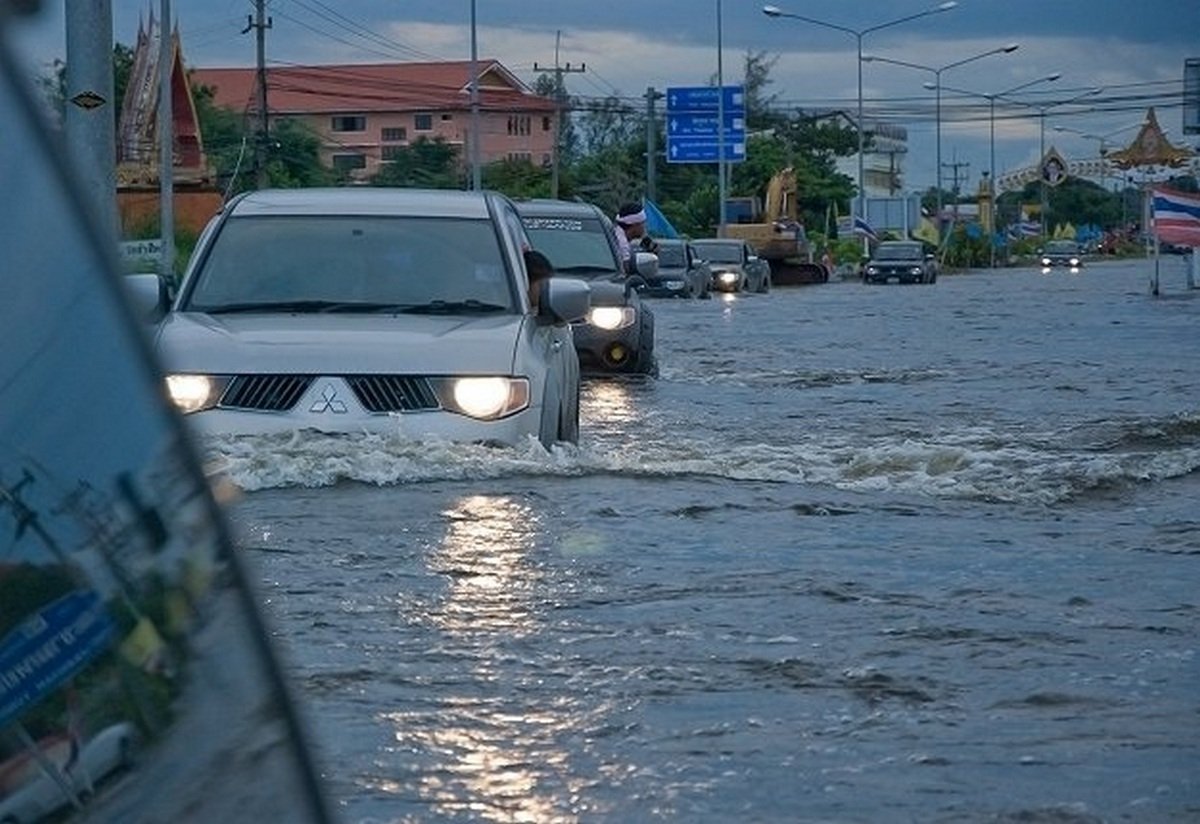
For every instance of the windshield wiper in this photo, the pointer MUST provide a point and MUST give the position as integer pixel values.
(278, 306)
(452, 307)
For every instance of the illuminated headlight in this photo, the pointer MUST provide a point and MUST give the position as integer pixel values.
(1074, 261)
(483, 398)
(916, 270)
(727, 278)
(1045, 261)
(611, 317)
(195, 393)
(872, 270)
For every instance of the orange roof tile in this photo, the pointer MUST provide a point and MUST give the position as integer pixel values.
(372, 87)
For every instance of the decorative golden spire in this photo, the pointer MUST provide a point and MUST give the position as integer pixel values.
(1150, 148)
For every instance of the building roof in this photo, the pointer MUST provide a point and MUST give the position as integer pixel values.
(373, 87)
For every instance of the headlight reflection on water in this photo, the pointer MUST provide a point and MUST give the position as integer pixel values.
(495, 746)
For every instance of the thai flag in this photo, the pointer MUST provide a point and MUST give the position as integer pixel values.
(1176, 217)
(861, 227)
(1024, 228)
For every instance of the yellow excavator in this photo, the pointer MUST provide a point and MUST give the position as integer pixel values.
(775, 232)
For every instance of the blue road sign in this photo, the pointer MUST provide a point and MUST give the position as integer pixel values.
(704, 99)
(694, 130)
(50, 646)
(693, 124)
(703, 151)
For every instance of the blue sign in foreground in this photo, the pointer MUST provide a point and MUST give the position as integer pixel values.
(49, 647)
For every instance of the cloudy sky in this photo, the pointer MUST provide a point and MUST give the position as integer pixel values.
(1133, 51)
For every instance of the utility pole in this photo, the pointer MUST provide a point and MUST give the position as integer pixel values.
(260, 22)
(473, 144)
(651, 140)
(166, 142)
(89, 125)
(560, 97)
(958, 178)
(27, 519)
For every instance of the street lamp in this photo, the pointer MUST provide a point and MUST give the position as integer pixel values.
(858, 34)
(937, 75)
(991, 99)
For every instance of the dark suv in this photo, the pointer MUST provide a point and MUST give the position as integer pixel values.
(901, 260)
(618, 334)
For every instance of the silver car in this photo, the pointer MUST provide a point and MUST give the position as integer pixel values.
(397, 311)
(735, 266)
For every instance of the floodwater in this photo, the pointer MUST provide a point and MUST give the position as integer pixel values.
(858, 554)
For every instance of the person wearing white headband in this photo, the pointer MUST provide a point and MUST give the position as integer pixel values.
(631, 226)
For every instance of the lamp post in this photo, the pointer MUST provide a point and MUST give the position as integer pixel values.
(937, 76)
(991, 99)
(858, 34)
(721, 184)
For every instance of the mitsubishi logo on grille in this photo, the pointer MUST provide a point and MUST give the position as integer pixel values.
(328, 402)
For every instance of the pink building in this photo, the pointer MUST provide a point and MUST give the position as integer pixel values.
(364, 113)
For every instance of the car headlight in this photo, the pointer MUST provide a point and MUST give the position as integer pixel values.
(872, 270)
(195, 393)
(1074, 261)
(916, 270)
(611, 317)
(727, 277)
(1045, 261)
(483, 398)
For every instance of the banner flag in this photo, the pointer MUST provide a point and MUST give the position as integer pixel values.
(1176, 217)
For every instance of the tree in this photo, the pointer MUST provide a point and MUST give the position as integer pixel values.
(293, 153)
(293, 157)
(552, 86)
(425, 163)
(610, 122)
(517, 178)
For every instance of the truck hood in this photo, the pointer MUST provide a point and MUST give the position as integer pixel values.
(339, 344)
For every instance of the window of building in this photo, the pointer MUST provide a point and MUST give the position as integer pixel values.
(546, 160)
(349, 123)
(518, 124)
(423, 122)
(394, 134)
(446, 117)
(346, 162)
(517, 156)
(390, 152)
(545, 124)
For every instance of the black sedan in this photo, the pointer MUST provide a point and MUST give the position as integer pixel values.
(1065, 253)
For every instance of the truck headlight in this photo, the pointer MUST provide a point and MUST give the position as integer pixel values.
(195, 393)
(483, 398)
(611, 317)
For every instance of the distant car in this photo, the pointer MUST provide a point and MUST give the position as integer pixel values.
(38, 795)
(735, 266)
(905, 261)
(1061, 253)
(682, 273)
(617, 336)
(393, 311)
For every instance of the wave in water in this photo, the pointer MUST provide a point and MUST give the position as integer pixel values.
(970, 463)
